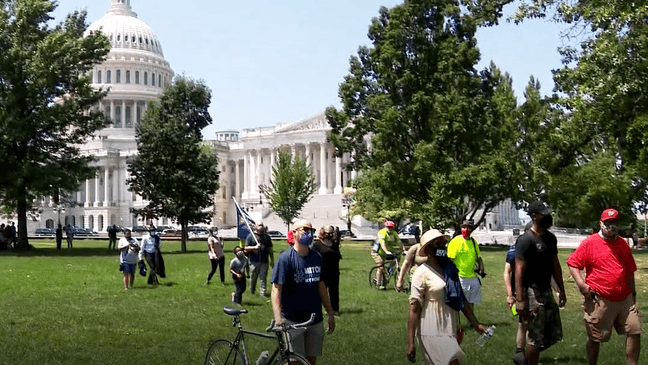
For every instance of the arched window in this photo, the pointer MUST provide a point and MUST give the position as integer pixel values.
(145, 78)
(153, 79)
(137, 77)
(127, 76)
(118, 77)
(118, 37)
(108, 77)
(98, 77)
(160, 80)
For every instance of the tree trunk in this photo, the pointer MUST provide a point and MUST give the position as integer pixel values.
(183, 240)
(21, 231)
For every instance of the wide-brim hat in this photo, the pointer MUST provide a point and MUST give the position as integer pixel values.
(432, 236)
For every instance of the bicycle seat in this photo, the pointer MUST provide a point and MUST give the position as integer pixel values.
(233, 311)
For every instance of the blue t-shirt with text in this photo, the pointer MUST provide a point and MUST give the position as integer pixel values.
(299, 277)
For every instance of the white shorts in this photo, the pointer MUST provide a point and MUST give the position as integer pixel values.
(309, 341)
(472, 290)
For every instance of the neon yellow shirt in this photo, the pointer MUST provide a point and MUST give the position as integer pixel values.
(389, 238)
(464, 255)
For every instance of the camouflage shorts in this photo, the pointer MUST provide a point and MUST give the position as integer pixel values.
(543, 327)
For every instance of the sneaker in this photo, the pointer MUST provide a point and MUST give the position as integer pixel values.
(519, 358)
(382, 287)
(232, 297)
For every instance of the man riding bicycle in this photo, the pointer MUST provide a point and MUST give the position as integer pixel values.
(387, 241)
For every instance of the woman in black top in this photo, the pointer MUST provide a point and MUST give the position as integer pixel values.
(329, 247)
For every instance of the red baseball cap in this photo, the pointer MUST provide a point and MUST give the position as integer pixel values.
(609, 215)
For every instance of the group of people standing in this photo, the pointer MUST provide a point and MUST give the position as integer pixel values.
(447, 281)
(131, 253)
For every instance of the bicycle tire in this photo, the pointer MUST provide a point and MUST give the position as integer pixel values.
(406, 282)
(223, 352)
(293, 359)
(372, 278)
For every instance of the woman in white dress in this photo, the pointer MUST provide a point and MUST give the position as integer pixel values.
(434, 322)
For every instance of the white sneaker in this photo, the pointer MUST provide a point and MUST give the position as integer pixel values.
(233, 297)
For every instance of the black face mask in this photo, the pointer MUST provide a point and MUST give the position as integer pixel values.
(546, 222)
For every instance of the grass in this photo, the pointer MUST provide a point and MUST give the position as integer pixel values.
(69, 307)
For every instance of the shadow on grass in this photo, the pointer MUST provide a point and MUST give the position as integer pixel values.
(563, 360)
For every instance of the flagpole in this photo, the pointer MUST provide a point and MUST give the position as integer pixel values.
(245, 219)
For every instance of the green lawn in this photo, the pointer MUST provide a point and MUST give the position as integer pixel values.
(69, 307)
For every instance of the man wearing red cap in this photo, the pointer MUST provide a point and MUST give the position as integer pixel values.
(609, 297)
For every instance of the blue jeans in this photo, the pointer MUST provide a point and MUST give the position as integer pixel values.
(240, 289)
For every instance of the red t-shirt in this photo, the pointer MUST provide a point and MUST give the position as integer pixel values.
(607, 265)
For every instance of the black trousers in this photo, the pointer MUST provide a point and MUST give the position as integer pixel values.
(220, 263)
(332, 283)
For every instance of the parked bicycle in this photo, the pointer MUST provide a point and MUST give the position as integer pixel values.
(391, 269)
(226, 352)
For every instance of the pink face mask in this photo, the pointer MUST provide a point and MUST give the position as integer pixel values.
(465, 232)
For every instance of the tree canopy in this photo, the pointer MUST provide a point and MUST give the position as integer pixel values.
(291, 187)
(173, 170)
(427, 130)
(599, 139)
(46, 103)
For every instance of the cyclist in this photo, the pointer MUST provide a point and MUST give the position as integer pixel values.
(386, 241)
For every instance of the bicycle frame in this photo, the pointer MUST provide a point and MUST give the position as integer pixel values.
(239, 341)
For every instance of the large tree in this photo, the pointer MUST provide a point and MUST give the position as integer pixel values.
(173, 171)
(424, 126)
(602, 89)
(291, 187)
(46, 102)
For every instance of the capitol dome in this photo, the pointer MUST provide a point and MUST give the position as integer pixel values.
(135, 70)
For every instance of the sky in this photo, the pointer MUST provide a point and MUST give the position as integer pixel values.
(283, 61)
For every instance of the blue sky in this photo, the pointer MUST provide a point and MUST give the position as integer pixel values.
(282, 61)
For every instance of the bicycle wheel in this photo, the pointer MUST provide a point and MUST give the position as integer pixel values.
(223, 352)
(372, 278)
(293, 359)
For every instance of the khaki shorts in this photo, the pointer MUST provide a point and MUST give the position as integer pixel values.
(601, 315)
(309, 341)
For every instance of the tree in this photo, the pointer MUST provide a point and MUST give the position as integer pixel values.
(173, 170)
(423, 125)
(46, 104)
(602, 89)
(292, 186)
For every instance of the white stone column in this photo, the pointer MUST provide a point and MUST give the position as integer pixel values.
(96, 190)
(273, 158)
(257, 174)
(115, 193)
(322, 189)
(123, 113)
(87, 192)
(112, 112)
(293, 151)
(309, 160)
(78, 196)
(106, 185)
(338, 176)
(237, 179)
(246, 173)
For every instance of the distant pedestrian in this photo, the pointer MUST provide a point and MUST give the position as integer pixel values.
(59, 236)
(216, 255)
(14, 235)
(129, 248)
(149, 252)
(609, 293)
(69, 234)
(237, 269)
(112, 237)
(258, 248)
(634, 236)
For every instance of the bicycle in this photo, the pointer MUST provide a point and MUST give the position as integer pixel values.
(389, 272)
(226, 352)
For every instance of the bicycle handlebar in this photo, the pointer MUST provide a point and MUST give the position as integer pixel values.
(295, 326)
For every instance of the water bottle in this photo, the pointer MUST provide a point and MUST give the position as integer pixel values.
(485, 337)
(263, 358)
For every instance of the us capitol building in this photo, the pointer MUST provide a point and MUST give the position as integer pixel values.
(136, 72)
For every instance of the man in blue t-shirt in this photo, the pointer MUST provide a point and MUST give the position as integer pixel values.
(298, 291)
(258, 248)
